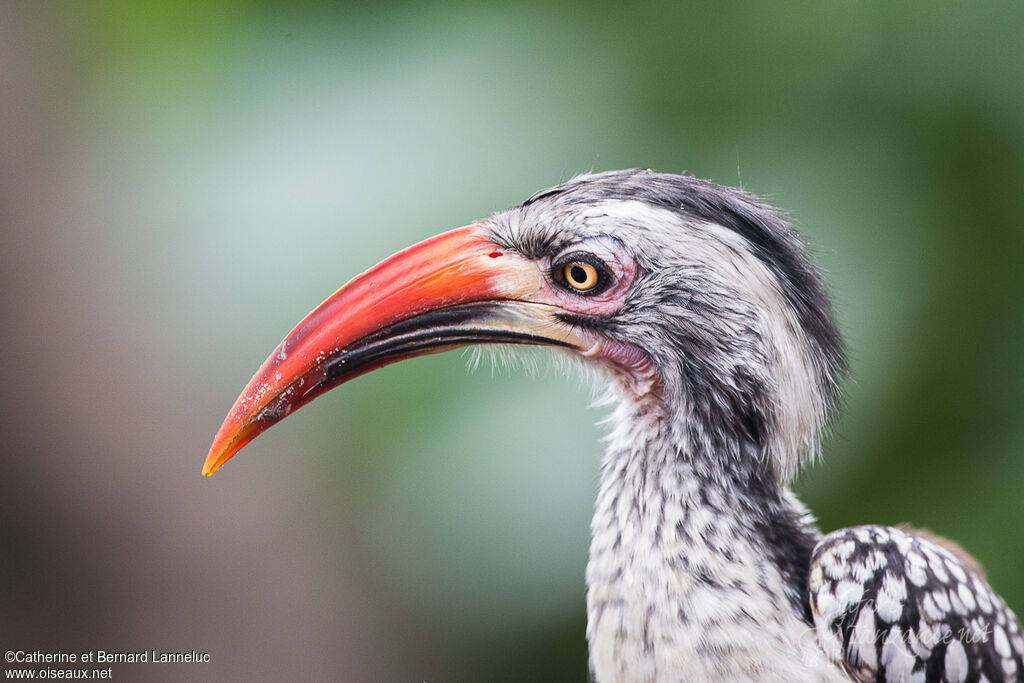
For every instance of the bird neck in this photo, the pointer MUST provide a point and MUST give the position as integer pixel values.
(699, 559)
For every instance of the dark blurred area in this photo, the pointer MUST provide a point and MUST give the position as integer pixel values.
(180, 183)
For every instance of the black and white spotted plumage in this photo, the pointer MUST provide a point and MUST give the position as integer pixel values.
(894, 607)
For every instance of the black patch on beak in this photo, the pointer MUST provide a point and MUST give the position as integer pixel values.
(444, 327)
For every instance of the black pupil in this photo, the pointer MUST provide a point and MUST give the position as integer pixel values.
(578, 274)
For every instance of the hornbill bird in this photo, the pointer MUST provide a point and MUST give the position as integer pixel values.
(714, 330)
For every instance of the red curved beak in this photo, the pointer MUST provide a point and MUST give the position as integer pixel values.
(451, 290)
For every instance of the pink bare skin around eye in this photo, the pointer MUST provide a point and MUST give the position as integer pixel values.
(623, 268)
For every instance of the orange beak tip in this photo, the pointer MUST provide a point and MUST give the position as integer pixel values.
(209, 467)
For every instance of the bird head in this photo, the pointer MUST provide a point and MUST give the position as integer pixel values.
(698, 301)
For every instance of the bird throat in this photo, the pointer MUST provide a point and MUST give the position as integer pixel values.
(698, 565)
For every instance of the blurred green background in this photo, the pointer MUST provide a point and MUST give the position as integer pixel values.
(180, 183)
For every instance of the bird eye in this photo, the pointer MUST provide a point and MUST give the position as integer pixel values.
(581, 273)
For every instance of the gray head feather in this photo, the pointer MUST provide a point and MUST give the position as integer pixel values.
(727, 306)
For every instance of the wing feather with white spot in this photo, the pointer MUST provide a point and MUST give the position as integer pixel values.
(892, 607)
